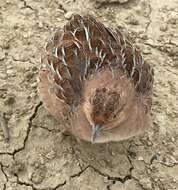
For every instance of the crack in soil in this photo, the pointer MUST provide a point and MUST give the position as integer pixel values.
(35, 188)
(29, 128)
(137, 180)
(122, 180)
(4, 187)
(27, 133)
(149, 17)
(5, 175)
(80, 173)
(61, 7)
(147, 165)
(49, 130)
(26, 5)
(110, 178)
(167, 165)
(160, 47)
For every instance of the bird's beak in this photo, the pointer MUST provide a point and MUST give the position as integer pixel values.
(96, 129)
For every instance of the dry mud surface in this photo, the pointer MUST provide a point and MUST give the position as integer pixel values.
(37, 156)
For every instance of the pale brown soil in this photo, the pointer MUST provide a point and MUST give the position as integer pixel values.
(37, 156)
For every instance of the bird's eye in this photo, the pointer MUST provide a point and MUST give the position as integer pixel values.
(114, 116)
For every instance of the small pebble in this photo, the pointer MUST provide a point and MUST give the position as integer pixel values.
(154, 157)
(140, 158)
(40, 24)
(105, 179)
(113, 153)
(163, 28)
(147, 50)
(172, 139)
(10, 72)
(34, 85)
(173, 21)
(36, 164)
(173, 18)
(9, 67)
(15, 26)
(32, 95)
(68, 15)
(59, 19)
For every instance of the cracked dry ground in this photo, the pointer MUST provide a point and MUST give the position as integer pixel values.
(38, 157)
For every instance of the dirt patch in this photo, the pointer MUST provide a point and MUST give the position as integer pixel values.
(38, 157)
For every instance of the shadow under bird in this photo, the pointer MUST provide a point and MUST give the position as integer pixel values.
(95, 82)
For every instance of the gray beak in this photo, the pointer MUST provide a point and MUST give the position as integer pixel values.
(96, 129)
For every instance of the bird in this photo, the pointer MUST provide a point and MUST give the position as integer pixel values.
(95, 82)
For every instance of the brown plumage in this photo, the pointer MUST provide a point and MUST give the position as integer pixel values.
(94, 81)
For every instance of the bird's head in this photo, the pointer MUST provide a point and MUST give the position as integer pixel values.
(104, 105)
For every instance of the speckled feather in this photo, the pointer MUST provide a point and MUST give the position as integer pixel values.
(84, 48)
